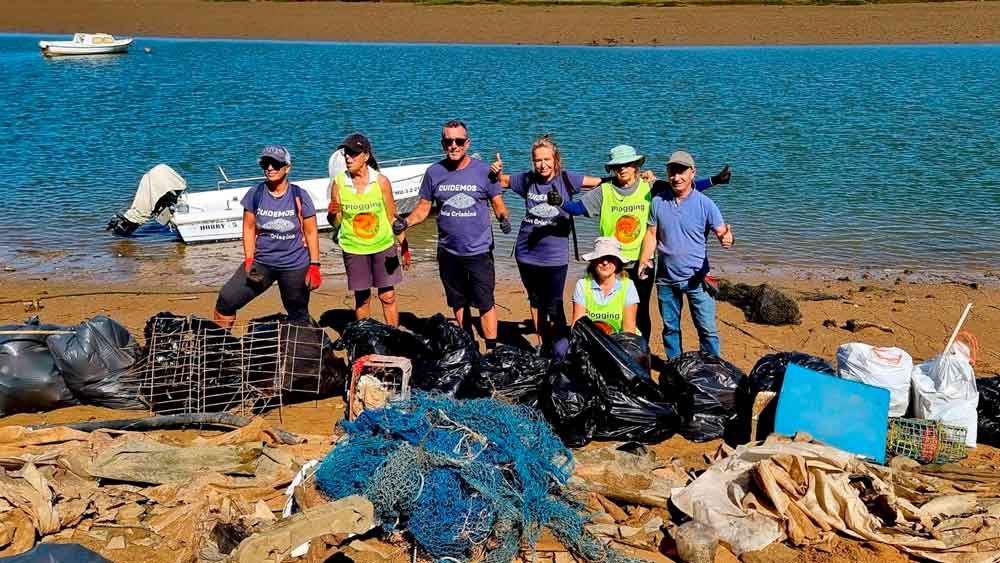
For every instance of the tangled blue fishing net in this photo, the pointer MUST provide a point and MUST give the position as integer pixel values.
(470, 480)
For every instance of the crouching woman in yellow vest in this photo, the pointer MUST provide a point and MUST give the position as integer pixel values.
(361, 203)
(606, 295)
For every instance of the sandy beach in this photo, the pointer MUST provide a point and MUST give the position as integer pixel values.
(948, 22)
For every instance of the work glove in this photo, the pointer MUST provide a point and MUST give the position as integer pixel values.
(248, 264)
(313, 277)
(398, 226)
(723, 176)
(554, 198)
(505, 225)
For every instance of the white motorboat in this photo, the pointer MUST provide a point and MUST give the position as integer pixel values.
(85, 44)
(215, 215)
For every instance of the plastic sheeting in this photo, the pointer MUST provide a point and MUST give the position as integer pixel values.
(508, 373)
(30, 381)
(944, 388)
(888, 368)
(704, 387)
(95, 361)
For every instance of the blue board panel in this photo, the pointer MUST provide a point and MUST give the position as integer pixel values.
(845, 414)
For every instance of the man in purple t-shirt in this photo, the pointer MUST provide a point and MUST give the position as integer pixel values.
(462, 189)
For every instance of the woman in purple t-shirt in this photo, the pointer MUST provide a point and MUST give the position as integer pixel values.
(542, 250)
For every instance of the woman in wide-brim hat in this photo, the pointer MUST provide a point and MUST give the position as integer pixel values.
(606, 295)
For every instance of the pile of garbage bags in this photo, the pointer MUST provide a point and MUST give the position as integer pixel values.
(45, 367)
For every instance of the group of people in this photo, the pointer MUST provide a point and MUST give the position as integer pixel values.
(651, 232)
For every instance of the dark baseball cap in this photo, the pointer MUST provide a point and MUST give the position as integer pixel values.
(275, 152)
(356, 142)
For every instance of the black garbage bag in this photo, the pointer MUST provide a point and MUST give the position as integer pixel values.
(29, 378)
(704, 387)
(56, 553)
(452, 357)
(570, 404)
(763, 304)
(767, 375)
(95, 361)
(508, 373)
(989, 411)
(633, 407)
(192, 364)
(636, 346)
(368, 336)
(304, 353)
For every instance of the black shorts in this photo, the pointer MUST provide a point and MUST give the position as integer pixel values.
(467, 280)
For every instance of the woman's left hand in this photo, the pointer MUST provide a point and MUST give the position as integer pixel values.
(313, 277)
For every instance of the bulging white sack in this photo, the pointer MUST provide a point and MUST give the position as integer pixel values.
(888, 368)
(944, 388)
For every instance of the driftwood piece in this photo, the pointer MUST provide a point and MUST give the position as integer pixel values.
(347, 516)
(173, 421)
(855, 325)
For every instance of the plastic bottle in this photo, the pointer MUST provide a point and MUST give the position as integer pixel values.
(695, 543)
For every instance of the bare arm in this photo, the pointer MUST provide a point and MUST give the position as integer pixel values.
(333, 215)
(390, 201)
(419, 213)
(249, 234)
(496, 169)
(725, 236)
(628, 318)
(499, 207)
(579, 311)
(590, 182)
(648, 247)
(311, 233)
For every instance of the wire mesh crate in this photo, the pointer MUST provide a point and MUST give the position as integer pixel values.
(194, 366)
(376, 380)
(926, 441)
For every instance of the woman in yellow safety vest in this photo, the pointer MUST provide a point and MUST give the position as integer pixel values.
(361, 204)
(606, 295)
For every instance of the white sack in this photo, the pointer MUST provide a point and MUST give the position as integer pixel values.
(944, 389)
(888, 368)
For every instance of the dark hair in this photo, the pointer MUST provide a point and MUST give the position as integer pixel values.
(452, 123)
(619, 268)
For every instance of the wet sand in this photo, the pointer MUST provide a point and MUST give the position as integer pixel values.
(951, 22)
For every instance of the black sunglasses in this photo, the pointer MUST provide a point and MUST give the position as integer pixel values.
(351, 152)
(458, 141)
(270, 163)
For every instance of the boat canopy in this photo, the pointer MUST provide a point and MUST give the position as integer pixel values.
(161, 180)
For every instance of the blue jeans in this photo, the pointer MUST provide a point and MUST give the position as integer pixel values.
(671, 296)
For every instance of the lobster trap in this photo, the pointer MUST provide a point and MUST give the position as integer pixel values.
(194, 366)
(926, 441)
(376, 380)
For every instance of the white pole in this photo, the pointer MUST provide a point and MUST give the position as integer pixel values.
(958, 327)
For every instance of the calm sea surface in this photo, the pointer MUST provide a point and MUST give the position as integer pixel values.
(845, 158)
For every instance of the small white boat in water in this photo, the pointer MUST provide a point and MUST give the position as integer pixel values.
(85, 44)
(215, 215)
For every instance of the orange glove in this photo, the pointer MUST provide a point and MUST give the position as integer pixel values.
(313, 277)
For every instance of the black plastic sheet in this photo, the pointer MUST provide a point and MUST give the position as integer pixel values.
(30, 381)
(767, 375)
(508, 373)
(636, 346)
(571, 405)
(989, 411)
(95, 361)
(704, 386)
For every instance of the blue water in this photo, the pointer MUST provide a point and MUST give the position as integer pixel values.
(845, 158)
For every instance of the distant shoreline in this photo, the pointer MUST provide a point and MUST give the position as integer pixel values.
(917, 23)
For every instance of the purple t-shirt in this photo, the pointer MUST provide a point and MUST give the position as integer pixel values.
(462, 198)
(541, 241)
(280, 242)
(682, 229)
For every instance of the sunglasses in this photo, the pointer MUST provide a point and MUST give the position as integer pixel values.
(351, 152)
(268, 163)
(458, 141)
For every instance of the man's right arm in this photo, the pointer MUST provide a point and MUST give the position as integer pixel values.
(419, 213)
(646, 253)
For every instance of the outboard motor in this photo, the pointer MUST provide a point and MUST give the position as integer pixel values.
(156, 196)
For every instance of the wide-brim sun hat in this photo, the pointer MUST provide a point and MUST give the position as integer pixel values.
(624, 154)
(605, 246)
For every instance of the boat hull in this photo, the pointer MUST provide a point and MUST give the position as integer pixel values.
(69, 48)
(217, 216)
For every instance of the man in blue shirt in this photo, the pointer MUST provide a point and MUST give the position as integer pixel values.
(679, 221)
